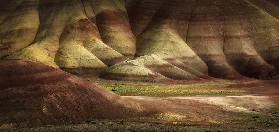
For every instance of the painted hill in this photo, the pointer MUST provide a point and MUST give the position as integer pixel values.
(145, 39)
(35, 94)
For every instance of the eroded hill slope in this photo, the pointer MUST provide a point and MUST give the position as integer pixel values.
(145, 39)
(35, 94)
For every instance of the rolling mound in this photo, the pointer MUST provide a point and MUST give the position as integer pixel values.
(194, 39)
(35, 94)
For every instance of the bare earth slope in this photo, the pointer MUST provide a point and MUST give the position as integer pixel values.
(136, 39)
(35, 94)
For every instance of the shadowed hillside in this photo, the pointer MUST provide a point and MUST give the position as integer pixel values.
(35, 94)
(145, 39)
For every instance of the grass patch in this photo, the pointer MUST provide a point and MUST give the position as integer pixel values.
(171, 117)
(108, 126)
(266, 119)
(124, 88)
(127, 90)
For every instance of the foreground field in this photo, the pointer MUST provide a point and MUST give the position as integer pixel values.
(213, 105)
(107, 126)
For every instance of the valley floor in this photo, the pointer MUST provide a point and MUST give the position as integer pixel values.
(215, 105)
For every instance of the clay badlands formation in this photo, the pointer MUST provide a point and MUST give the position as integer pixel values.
(145, 39)
(35, 94)
(142, 40)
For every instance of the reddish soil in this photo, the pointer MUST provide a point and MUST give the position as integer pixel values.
(262, 97)
(193, 111)
(259, 87)
(36, 94)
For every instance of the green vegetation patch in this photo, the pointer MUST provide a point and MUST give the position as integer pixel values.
(158, 89)
(125, 90)
(117, 126)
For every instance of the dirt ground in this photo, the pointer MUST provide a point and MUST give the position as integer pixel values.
(206, 105)
(256, 110)
(225, 111)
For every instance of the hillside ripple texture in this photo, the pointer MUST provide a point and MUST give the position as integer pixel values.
(145, 39)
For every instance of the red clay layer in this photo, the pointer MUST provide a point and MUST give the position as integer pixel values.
(36, 94)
